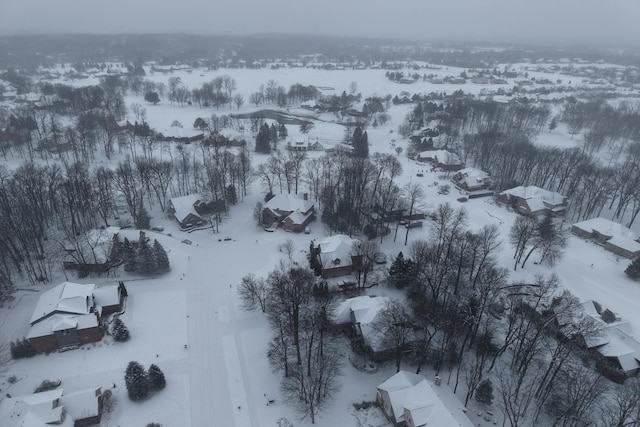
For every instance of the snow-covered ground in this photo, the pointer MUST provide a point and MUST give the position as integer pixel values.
(189, 321)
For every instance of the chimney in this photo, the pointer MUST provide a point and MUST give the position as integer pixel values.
(305, 196)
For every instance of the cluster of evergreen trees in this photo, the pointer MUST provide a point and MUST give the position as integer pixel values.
(268, 137)
(22, 348)
(140, 383)
(144, 258)
(119, 330)
(360, 142)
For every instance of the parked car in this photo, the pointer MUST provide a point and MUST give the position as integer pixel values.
(415, 224)
(307, 230)
(157, 228)
(379, 258)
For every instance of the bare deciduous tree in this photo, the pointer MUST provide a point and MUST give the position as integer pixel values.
(253, 293)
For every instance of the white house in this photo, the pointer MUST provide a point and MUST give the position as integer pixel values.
(412, 400)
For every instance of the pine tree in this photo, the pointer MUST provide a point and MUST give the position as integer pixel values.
(633, 270)
(282, 131)
(262, 140)
(161, 257)
(484, 392)
(273, 134)
(156, 378)
(129, 256)
(145, 259)
(119, 330)
(143, 220)
(401, 271)
(553, 124)
(22, 348)
(136, 381)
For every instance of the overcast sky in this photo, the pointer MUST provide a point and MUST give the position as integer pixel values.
(587, 21)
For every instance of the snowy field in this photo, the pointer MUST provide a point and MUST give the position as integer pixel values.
(189, 322)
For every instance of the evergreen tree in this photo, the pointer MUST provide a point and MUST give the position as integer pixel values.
(22, 348)
(129, 256)
(119, 330)
(156, 378)
(484, 392)
(282, 131)
(136, 381)
(273, 134)
(401, 271)
(145, 259)
(553, 124)
(161, 257)
(360, 142)
(262, 140)
(143, 220)
(633, 270)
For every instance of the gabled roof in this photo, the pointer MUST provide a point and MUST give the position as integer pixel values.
(61, 322)
(360, 306)
(474, 177)
(82, 404)
(605, 227)
(184, 206)
(289, 203)
(624, 243)
(335, 251)
(67, 297)
(442, 156)
(50, 408)
(426, 403)
(298, 217)
(533, 192)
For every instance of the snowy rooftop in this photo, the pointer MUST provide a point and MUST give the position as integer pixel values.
(106, 296)
(184, 206)
(625, 243)
(605, 227)
(49, 408)
(61, 322)
(336, 250)
(532, 191)
(426, 403)
(285, 202)
(474, 177)
(298, 217)
(442, 156)
(82, 404)
(67, 297)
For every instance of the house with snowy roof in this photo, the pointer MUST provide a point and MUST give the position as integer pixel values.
(615, 341)
(442, 159)
(410, 399)
(534, 201)
(291, 211)
(472, 179)
(334, 257)
(78, 409)
(185, 210)
(613, 236)
(227, 137)
(70, 314)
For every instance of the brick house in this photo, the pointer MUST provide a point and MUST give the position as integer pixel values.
(71, 314)
(534, 201)
(614, 237)
(334, 256)
(294, 213)
(442, 159)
